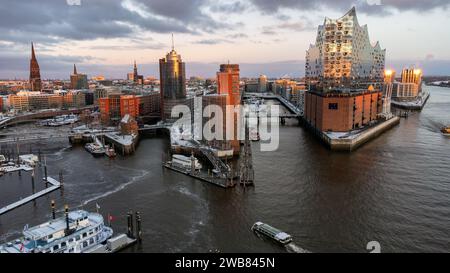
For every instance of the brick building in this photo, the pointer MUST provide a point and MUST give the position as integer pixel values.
(342, 111)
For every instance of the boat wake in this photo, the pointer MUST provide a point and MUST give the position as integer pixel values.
(8, 235)
(433, 126)
(117, 189)
(293, 248)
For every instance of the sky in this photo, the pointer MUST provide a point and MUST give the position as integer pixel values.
(104, 37)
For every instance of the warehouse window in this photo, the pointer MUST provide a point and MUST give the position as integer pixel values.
(333, 106)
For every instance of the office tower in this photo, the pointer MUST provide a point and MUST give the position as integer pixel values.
(228, 83)
(262, 84)
(172, 82)
(389, 76)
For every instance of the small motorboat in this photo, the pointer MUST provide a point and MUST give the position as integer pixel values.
(446, 131)
(110, 152)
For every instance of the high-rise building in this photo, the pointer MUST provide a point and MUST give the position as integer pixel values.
(35, 74)
(262, 84)
(228, 83)
(172, 82)
(78, 81)
(389, 76)
(343, 55)
(412, 75)
(228, 94)
(346, 74)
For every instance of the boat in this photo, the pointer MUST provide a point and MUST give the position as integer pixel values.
(254, 135)
(95, 149)
(76, 232)
(110, 152)
(60, 120)
(185, 162)
(272, 233)
(446, 131)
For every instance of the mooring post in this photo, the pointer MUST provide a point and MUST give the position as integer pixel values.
(66, 212)
(61, 178)
(129, 225)
(138, 226)
(32, 182)
(132, 225)
(53, 210)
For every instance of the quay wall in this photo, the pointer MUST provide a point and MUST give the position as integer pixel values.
(351, 144)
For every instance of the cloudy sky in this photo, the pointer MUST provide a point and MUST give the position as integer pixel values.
(265, 36)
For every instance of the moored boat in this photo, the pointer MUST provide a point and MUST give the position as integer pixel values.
(76, 232)
(445, 131)
(95, 149)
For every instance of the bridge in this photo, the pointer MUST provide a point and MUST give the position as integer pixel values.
(29, 117)
(295, 111)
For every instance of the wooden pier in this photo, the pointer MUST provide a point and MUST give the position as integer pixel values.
(54, 186)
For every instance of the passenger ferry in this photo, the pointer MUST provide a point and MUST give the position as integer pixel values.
(272, 233)
(185, 162)
(446, 131)
(77, 232)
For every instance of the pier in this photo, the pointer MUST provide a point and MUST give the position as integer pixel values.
(221, 182)
(295, 111)
(54, 186)
(417, 104)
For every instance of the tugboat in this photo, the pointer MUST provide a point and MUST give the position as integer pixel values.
(76, 232)
(446, 131)
(95, 149)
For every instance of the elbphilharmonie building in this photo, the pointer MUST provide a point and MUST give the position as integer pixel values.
(343, 56)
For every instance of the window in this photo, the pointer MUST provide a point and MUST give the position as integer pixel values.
(332, 106)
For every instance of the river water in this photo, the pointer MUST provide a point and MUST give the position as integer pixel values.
(394, 190)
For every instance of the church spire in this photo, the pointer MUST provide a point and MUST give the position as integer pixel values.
(74, 69)
(35, 74)
(33, 56)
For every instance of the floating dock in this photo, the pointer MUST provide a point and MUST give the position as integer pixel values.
(221, 182)
(113, 245)
(54, 186)
(418, 104)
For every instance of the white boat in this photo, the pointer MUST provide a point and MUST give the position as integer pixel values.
(77, 232)
(95, 149)
(272, 233)
(60, 120)
(185, 162)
